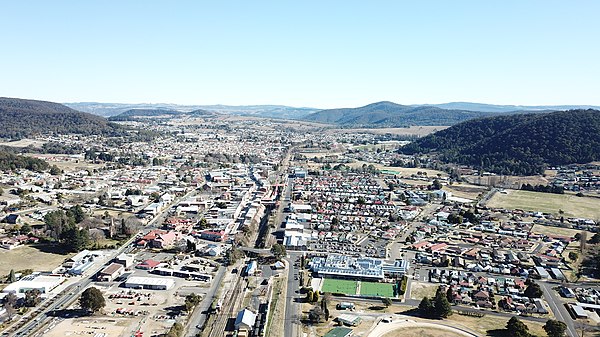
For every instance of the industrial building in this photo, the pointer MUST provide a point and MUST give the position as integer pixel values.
(153, 283)
(43, 283)
(111, 272)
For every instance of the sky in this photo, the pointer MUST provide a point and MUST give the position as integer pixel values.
(323, 54)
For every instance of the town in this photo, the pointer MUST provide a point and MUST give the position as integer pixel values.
(242, 227)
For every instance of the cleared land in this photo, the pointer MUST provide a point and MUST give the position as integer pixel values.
(28, 257)
(339, 286)
(486, 325)
(413, 130)
(421, 332)
(572, 205)
(377, 289)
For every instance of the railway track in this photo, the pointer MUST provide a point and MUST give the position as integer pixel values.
(229, 309)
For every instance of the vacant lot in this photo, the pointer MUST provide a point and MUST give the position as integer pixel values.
(377, 289)
(422, 332)
(486, 325)
(572, 205)
(28, 257)
(339, 286)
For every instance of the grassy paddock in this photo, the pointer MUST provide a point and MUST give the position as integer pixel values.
(572, 205)
(27, 257)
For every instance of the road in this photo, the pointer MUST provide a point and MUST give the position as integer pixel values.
(292, 306)
(198, 317)
(557, 307)
(68, 296)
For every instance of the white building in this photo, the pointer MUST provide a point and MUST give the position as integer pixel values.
(153, 283)
(43, 283)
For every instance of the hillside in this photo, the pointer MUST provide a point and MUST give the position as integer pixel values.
(134, 114)
(23, 118)
(388, 114)
(521, 144)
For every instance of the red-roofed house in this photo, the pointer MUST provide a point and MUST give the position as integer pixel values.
(148, 265)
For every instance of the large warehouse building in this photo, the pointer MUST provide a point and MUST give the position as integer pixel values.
(154, 283)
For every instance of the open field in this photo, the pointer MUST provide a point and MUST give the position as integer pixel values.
(465, 190)
(339, 286)
(27, 257)
(421, 332)
(489, 323)
(24, 143)
(549, 230)
(419, 290)
(377, 289)
(404, 171)
(572, 205)
(413, 130)
(92, 326)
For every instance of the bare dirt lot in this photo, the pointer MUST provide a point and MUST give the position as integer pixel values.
(90, 326)
(28, 257)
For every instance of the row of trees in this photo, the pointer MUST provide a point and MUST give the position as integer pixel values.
(516, 328)
(543, 188)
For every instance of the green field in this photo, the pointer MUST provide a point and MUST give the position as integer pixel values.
(377, 289)
(573, 206)
(339, 286)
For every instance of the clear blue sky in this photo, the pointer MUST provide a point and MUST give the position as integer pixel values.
(301, 53)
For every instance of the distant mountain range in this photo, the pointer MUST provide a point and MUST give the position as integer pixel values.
(521, 144)
(268, 111)
(20, 118)
(376, 115)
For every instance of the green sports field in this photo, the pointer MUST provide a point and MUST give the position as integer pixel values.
(339, 286)
(377, 289)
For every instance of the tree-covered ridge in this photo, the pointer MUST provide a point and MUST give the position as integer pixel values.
(10, 162)
(22, 118)
(522, 144)
(132, 114)
(389, 114)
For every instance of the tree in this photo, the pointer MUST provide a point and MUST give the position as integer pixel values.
(436, 185)
(516, 328)
(555, 328)
(316, 314)
(278, 250)
(54, 170)
(92, 300)
(32, 297)
(443, 309)
(77, 213)
(426, 307)
(191, 301)
(450, 294)
(573, 256)
(595, 239)
(176, 330)
(309, 296)
(386, 301)
(10, 305)
(202, 223)
(533, 290)
(11, 276)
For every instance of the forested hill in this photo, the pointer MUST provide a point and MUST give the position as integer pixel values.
(134, 114)
(389, 114)
(22, 118)
(522, 144)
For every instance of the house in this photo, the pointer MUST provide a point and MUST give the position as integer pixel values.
(111, 272)
(164, 240)
(219, 236)
(148, 265)
(481, 296)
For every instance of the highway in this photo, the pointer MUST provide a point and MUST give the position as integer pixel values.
(198, 317)
(292, 307)
(557, 307)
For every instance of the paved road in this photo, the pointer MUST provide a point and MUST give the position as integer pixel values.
(292, 308)
(557, 307)
(198, 317)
